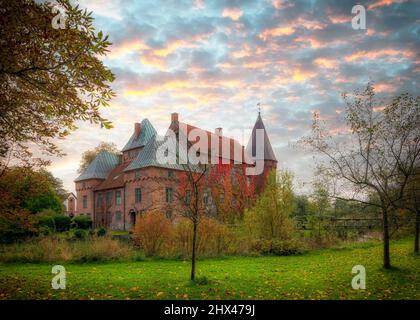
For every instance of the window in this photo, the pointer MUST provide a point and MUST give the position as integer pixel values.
(83, 185)
(85, 200)
(168, 195)
(132, 153)
(98, 199)
(170, 174)
(169, 213)
(222, 197)
(118, 198)
(118, 215)
(138, 195)
(137, 175)
(108, 198)
(206, 198)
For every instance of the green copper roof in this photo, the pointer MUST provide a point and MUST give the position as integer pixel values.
(100, 167)
(148, 156)
(146, 133)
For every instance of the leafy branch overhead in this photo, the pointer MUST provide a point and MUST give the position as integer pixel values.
(49, 78)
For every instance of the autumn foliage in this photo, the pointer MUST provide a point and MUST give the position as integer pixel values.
(152, 232)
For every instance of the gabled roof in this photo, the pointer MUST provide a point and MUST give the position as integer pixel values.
(114, 180)
(147, 131)
(148, 156)
(184, 129)
(67, 195)
(100, 167)
(251, 147)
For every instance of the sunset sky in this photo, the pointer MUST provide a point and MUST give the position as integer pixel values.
(213, 61)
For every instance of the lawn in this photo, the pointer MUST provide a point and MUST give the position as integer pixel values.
(321, 274)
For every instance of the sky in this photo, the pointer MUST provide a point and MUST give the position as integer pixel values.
(213, 61)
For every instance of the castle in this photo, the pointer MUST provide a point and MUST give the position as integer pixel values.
(114, 189)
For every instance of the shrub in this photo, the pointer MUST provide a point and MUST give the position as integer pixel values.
(151, 232)
(62, 223)
(15, 225)
(49, 221)
(276, 247)
(101, 232)
(82, 222)
(213, 238)
(79, 234)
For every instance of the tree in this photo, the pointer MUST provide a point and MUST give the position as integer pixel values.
(24, 192)
(269, 218)
(378, 145)
(192, 186)
(56, 183)
(320, 205)
(90, 155)
(49, 78)
(25, 188)
(411, 203)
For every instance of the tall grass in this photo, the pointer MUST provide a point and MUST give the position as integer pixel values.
(54, 249)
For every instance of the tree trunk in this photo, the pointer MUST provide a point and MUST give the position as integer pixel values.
(193, 250)
(387, 259)
(416, 236)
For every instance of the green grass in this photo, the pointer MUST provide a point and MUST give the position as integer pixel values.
(321, 274)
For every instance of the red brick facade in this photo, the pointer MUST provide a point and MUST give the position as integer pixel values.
(117, 200)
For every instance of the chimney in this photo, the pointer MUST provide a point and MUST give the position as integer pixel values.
(137, 129)
(218, 131)
(174, 117)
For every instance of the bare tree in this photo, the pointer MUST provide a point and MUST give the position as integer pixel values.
(371, 154)
(190, 196)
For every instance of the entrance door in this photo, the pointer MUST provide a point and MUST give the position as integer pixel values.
(132, 218)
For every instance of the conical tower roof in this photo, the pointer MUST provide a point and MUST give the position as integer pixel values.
(251, 147)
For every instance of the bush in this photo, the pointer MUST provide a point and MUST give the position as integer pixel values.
(82, 222)
(62, 223)
(276, 247)
(213, 238)
(49, 221)
(15, 225)
(79, 234)
(101, 232)
(151, 232)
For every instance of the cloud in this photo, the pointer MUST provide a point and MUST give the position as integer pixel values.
(213, 61)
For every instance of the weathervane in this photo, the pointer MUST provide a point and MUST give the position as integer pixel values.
(259, 107)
